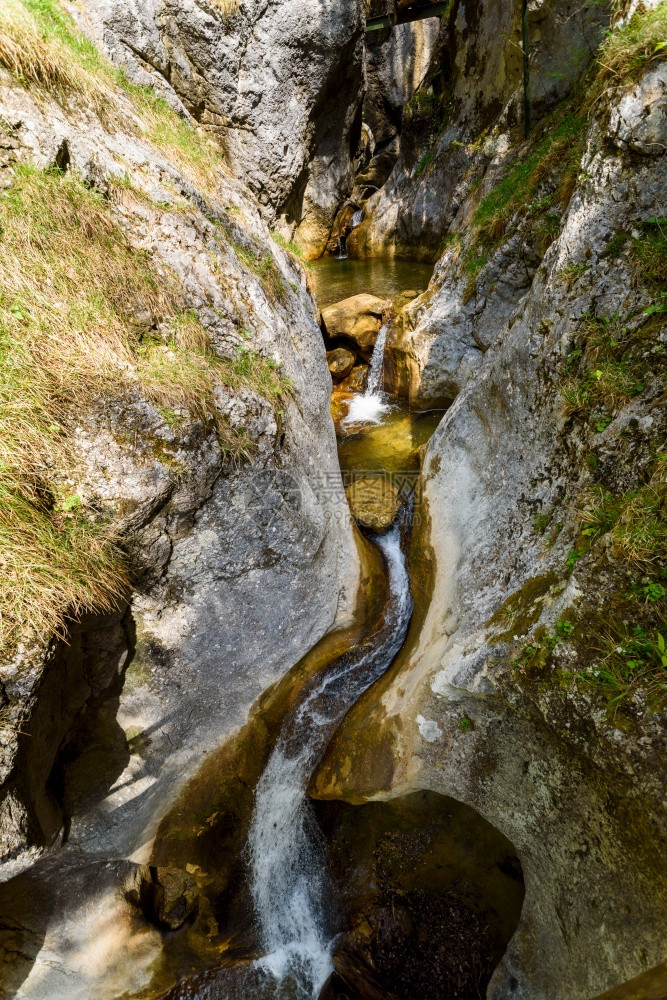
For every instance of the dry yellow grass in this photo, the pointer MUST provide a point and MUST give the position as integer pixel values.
(70, 287)
(43, 49)
(32, 58)
(629, 48)
(63, 63)
(228, 7)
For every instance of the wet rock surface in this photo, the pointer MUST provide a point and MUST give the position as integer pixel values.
(374, 502)
(105, 728)
(536, 746)
(498, 697)
(340, 362)
(167, 897)
(356, 381)
(427, 914)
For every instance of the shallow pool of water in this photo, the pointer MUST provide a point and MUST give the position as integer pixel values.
(334, 279)
(392, 445)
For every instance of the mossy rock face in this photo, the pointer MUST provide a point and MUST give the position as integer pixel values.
(523, 608)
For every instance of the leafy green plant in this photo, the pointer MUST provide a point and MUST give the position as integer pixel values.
(634, 660)
(655, 592)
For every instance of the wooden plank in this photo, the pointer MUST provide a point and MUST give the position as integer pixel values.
(407, 16)
(649, 986)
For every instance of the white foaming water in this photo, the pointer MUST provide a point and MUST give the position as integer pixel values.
(365, 410)
(376, 370)
(370, 407)
(288, 867)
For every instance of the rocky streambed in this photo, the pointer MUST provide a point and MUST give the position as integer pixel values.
(252, 887)
(457, 790)
(415, 897)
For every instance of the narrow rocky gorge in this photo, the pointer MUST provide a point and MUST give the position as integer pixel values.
(333, 500)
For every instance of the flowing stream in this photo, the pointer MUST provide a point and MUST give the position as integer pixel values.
(370, 407)
(288, 869)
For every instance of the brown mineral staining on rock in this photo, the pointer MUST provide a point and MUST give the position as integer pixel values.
(340, 362)
(168, 897)
(357, 379)
(359, 318)
(374, 502)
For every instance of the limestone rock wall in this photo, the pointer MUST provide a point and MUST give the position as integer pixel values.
(239, 566)
(279, 83)
(397, 62)
(487, 704)
(477, 87)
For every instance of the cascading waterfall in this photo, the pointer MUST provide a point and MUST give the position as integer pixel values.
(341, 246)
(372, 404)
(288, 867)
(376, 370)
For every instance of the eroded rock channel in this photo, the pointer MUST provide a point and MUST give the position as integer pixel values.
(415, 897)
(333, 499)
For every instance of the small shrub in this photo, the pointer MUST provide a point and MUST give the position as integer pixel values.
(227, 7)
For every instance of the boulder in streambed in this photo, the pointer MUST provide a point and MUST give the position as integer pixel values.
(359, 319)
(340, 362)
(168, 897)
(374, 502)
(357, 380)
